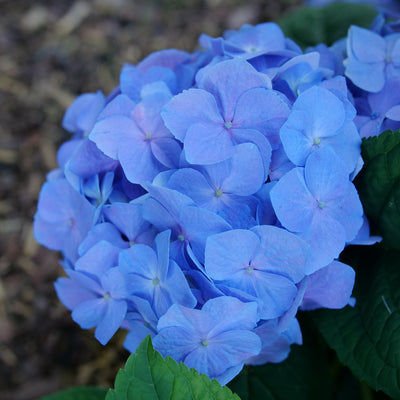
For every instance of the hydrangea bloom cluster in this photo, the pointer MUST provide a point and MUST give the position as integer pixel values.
(208, 197)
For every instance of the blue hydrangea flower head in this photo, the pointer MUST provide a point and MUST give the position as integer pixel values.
(207, 198)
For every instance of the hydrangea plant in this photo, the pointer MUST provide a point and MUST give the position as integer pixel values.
(208, 198)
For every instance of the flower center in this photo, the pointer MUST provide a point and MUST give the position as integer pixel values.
(249, 270)
(204, 342)
(181, 238)
(374, 115)
(321, 204)
(316, 141)
(106, 296)
(71, 222)
(218, 193)
(148, 136)
(156, 281)
(228, 124)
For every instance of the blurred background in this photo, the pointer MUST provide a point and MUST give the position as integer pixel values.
(50, 52)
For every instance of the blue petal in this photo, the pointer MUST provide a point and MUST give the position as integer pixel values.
(192, 183)
(71, 293)
(228, 80)
(293, 203)
(282, 252)
(365, 45)
(108, 133)
(89, 313)
(246, 157)
(329, 287)
(327, 239)
(190, 107)
(360, 74)
(230, 252)
(98, 259)
(114, 315)
(207, 144)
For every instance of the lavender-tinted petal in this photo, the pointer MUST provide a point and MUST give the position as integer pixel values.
(108, 133)
(326, 175)
(262, 109)
(274, 292)
(167, 151)
(228, 80)
(329, 287)
(88, 160)
(82, 113)
(225, 350)
(198, 224)
(71, 294)
(393, 113)
(207, 144)
(326, 237)
(175, 341)
(229, 252)
(138, 161)
(246, 157)
(347, 145)
(105, 231)
(223, 308)
(348, 211)
(281, 252)
(192, 183)
(190, 107)
(98, 259)
(257, 138)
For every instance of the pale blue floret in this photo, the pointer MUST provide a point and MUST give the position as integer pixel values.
(215, 340)
(319, 203)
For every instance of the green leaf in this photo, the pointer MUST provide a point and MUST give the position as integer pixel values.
(304, 375)
(148, 376)
(378, 185)
(366, 338)
(309, 26)
(79, 393)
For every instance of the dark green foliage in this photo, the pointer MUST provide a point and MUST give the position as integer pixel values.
(79, 393)
(366, 338)
(379, 185)
(310, 26)
(305, 374)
